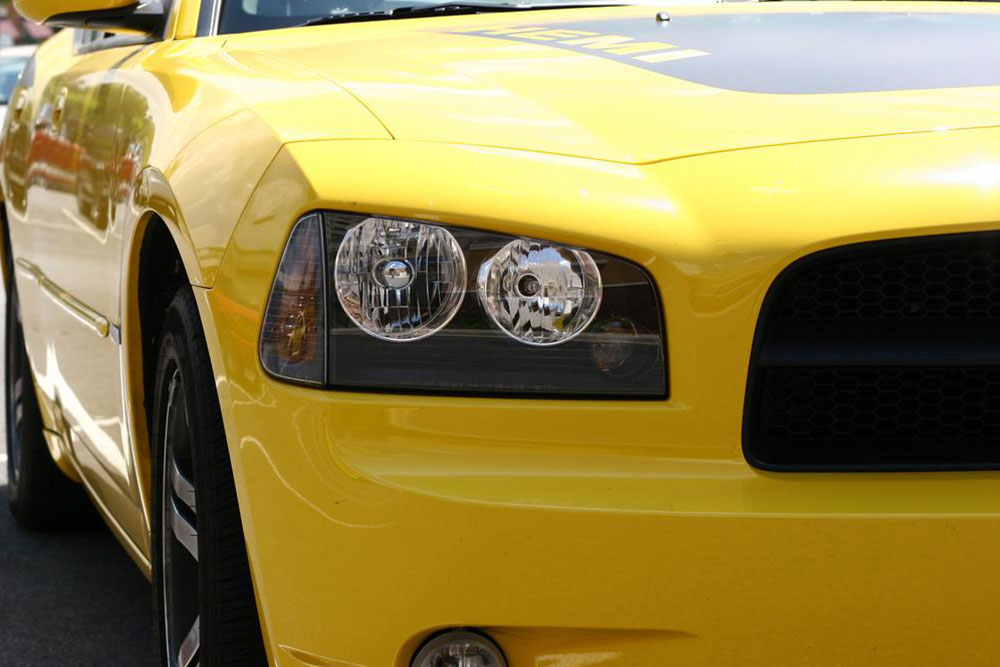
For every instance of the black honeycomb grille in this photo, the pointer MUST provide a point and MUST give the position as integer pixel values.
(881, 404)
(880, 356)
(933, 284)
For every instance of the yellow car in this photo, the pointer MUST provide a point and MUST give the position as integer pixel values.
(488, 334)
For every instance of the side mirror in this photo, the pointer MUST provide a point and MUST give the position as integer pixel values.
(146, 17)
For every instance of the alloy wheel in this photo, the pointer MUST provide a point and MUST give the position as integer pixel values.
(182, 602)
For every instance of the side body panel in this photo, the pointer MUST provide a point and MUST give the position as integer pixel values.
(76, 169)
(87, 171)
(170, 131)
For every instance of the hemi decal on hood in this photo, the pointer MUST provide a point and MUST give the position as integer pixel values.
(791, 53)
(588, 41)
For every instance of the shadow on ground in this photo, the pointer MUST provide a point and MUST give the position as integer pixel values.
(70, 598)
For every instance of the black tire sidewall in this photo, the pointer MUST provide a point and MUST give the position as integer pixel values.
(11, 354)
(39, 494)
(221, 549)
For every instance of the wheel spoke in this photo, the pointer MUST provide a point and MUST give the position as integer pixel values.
(180, 533)
(17, 399)
(184, 530)
(188, 651)
(183, 488)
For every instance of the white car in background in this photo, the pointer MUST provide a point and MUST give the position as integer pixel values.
(12, 60)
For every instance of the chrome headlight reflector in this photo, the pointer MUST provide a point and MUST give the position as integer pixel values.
(414, 306)
(399, 280)
(540, 293)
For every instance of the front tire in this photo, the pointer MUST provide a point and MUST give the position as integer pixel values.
(205, 609)
(39, 494)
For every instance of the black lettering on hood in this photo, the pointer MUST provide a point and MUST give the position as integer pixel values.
(791, 53)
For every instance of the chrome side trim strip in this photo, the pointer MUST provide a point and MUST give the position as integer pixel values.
(216, 16)
(83, 313)
(27, 269)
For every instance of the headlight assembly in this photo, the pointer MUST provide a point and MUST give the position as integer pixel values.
(399, 305)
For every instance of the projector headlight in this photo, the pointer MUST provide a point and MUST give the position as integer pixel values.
(378, 303)
(540, 293)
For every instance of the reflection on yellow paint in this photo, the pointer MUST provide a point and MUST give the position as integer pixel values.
(577, 659)
(985, 176)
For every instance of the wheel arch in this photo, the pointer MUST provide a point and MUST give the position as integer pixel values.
(6, 254)
(182, 220)
(159, 256)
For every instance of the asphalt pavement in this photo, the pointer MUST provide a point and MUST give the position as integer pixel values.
(70, 598)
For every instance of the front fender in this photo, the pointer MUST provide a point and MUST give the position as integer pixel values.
(202, 193)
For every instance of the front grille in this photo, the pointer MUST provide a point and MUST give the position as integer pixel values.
(880, 356)
(927, 284)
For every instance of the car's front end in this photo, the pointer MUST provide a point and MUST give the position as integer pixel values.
(541, 335)
(632, 530)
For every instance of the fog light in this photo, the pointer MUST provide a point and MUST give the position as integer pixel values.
(459, 648)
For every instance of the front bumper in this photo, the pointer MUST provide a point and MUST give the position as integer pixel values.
(590, 532)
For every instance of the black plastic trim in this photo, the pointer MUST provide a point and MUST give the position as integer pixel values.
(926, 351)
(150, 19)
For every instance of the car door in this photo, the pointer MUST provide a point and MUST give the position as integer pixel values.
(75, 161)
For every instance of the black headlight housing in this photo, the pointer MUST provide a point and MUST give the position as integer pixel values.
(441, 332)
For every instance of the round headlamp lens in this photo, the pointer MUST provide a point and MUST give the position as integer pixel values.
(399, 280)
(539, 293)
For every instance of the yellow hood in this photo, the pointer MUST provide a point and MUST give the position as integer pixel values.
(617, 84)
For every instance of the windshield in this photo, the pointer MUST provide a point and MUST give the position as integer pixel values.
(251, 15)
(10, 69)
